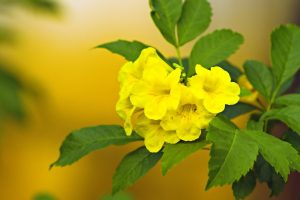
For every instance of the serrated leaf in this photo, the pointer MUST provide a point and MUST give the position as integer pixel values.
(279, 154)
(260, 77)
(266, 173)
(175, 153)
(289, 115)
(292, 138)
(214, 48)
(233, 71)
(232, 153)
(194, 20)
(243, 187)
(285, 52)
(129, 50)
(238, 109)
(133, 166)
(288, 100)
(82, 142)
(165, 14)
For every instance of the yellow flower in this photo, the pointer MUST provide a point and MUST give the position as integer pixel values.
(155, 136)
(215, 88)
(189, 118)
(157, 92)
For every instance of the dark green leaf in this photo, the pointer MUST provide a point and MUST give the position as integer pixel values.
(260, 77)
(129, 50)
(194, 20)
(285, 86)
(289, 115)
(237, 110)
(232, 153)
(234, 72)
(165, 14)
(133, 166)
(175, 153)
(285, 52)
(214, 48)
(81, 142)
(293, 138)
(243, 187)
(288, 100)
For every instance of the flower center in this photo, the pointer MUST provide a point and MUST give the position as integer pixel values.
(187, 110)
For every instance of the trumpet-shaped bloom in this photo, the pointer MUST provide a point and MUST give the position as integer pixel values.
(189, 118)
(155, 136)
(215, 88)
(157, 92)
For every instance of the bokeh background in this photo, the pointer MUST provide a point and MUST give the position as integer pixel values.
(69, 86)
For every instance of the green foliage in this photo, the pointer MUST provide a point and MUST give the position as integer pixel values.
(81, 142)
(129, 50)
(255, 125)
(165, 14)
(118, 196)
(292, 138)
(232, 153)
(285, 52)
(175, 153)
(245, 92)
(194, 20)
(44, 196)
(133, 166)
(260, 77)
(243, 187)
(288, 100)
(289, 115)
(214, 48)
(238, 109)
(50, 6)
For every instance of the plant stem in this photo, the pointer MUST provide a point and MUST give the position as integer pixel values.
(179, 55)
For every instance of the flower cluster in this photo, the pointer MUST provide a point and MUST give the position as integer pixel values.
(156, 103)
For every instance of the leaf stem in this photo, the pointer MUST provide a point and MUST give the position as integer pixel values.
(179, 55)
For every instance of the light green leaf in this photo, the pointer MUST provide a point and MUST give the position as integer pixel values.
(165, 14)
(260, 77)
(81, 142)
(133, 166)
(214, 48)
(234, 71)
(243, 187)
(175, 153)
(44, 196)
(129, 50)
(285, 52)
(289, 115)
(288, 100)
(255, 125)
(281, 155)
(232, 153)
(194, 20)
(238, 109)
(245, 92)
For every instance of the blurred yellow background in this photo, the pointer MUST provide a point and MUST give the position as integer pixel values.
(79, 88)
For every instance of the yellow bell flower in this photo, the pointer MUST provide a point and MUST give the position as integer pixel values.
(157, 92)
(215, 88)
(155, 136)
(189, 118)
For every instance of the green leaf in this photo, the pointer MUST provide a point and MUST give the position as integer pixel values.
(260, 77)
(42, 5)
(243, 187)
(232, 153)
(288, 100)
(245, 92)
(255, 125)
(119, 196)
(266, 173)
(285, 52)
(285, 86)
(281, 155)
(175, 153)
(214, 48)
(81, 142)
(44, 196)
(165, 14)
(292, 138)
(133, 166)
(194, 20)
(289, 115)
(238, 109)
(234, 71)
(129, 50)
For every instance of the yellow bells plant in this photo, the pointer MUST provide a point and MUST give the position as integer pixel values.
(215, 88)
